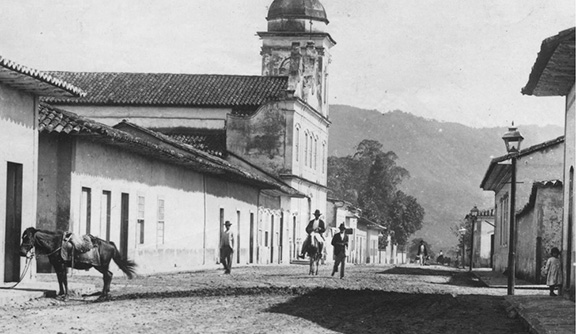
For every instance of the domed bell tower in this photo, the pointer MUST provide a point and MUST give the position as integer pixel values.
(297, 45)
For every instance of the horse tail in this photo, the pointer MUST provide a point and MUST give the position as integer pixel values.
(127, 266)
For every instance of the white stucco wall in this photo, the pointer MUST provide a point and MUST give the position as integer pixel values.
(192, 204)
(569, 164)
(542, 165)
(155, 117)
(19, 138)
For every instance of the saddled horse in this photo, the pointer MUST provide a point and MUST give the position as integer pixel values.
(315, 251)
(49, 243)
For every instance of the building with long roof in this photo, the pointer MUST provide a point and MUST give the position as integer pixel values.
(553, 74)
(276, 122)
(20, 88)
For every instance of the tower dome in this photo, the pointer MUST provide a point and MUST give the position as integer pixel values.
(297, 9)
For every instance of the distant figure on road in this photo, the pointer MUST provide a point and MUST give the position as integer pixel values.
(227, 248)
(340, 243)
(440, 258)
(553, 271)
(422, 252)
(315, 225)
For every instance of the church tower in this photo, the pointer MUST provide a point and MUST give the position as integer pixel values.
(297, 45)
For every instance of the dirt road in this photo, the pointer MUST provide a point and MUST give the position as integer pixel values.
(276, 299)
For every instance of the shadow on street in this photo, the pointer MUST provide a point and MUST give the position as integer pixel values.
(373, 311)
(455, 277)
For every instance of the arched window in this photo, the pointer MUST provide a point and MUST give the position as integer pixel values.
(297, 143)
(306, 149)
(315, 153)
(323, 157)
(310, 151)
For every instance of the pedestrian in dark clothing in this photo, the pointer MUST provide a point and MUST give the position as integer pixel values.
(340, 243)
(227, 248)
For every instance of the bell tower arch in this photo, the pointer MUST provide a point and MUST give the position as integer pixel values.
(297, 45)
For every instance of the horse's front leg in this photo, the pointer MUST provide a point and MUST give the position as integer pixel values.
(61, 273)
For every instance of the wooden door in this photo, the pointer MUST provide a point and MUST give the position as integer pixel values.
(13, 222)
(124, 223)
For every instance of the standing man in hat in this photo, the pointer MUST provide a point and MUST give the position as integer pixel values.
(227, 247)
(340, 243)
(422, 253)
(315, 225)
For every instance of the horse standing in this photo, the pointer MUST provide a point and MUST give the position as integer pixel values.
(315, 252)
(49, 243)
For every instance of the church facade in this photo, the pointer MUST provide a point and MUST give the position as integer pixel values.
(274, 125)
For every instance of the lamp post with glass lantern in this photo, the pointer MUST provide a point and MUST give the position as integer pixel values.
(472, 216)
(512, 139)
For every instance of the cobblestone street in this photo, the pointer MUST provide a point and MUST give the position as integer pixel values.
(277, 299)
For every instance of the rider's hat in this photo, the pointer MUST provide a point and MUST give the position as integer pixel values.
(227, 223)
(342, 227)
(317, 212)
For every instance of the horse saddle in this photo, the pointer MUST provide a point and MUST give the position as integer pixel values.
(80, 249)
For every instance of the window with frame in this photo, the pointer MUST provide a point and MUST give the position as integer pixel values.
(140, 219)
(503, 217)
(160, 227)
(105, 213)
(86, 211)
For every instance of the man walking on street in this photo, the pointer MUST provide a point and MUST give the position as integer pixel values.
(227, 248)
(340, 243)
(315, 225)
(422, 253)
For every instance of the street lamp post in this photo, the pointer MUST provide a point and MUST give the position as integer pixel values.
(463, 233)
(512, 139)
(473, 216)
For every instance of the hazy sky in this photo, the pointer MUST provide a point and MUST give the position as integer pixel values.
(452, 60)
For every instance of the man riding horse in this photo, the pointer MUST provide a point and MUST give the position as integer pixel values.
(315, 225)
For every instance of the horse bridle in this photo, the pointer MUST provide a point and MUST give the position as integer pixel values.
(32, 241)
(30, 244)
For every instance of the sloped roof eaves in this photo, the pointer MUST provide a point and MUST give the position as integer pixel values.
(221, 163)
(52, 119)
(35, 81)
(178, 90)
(286, 189)
(534, 192)
(564, 43)
(522, 153)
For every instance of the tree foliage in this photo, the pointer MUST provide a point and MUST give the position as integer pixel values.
(369, 180)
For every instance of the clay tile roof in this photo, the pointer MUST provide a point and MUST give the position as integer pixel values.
(207, 140)
(496, 168)
(172, 89)
(535, 187)
(34, 81)
(51, 119)
(553, 72)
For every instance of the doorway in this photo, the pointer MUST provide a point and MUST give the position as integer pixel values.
(124, 219)
(13, 222)
(251, 237)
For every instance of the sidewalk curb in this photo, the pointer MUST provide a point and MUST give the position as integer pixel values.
(515, 309)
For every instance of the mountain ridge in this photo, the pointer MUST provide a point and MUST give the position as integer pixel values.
(447, 161)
